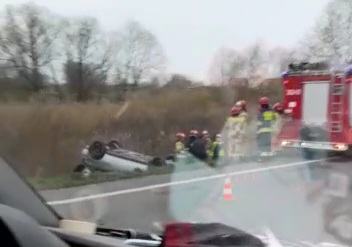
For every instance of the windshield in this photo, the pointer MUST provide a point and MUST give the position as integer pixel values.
(136, 114)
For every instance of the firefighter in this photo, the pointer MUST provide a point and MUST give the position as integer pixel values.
(199, 148)
(266, 119)
(216, 148)
(193, 134)
(234, 129)
(243, 148)
(243, 105)
(277, 126)
(279, 112)
(278, 108)
(206, 136)
(180, 143)
(208, 141)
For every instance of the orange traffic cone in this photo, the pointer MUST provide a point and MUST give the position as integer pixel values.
(228, 190)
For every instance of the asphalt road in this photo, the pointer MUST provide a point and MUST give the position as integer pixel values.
(297, 200)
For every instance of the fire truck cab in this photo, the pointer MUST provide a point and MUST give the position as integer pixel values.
(318, 108)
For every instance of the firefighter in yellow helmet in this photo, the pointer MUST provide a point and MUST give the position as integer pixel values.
(180, 143)
(266, 119)
(234, 133)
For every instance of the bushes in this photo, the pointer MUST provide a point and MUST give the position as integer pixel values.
(153, 120)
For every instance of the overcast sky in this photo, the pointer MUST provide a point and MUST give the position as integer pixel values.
(192, 30)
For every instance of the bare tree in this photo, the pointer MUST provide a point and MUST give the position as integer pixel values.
(279, 59)
(178, 81)
(87, 57)
(249, 66)
(229, 65)
(331, 38)
(256, 63)
(226, 65)
(139, 54)
(237, 65)
(27, 38)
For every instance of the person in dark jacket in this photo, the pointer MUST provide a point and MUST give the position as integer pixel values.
(199, 148)
(193, 134)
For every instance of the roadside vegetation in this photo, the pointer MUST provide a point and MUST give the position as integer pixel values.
(46, 139)
(72, 180)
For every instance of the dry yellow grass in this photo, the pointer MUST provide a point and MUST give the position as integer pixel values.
(46, 139)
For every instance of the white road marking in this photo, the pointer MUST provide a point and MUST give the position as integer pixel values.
(181, 182)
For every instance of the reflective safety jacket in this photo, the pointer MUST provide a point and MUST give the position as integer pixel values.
(266, 119)
(245, 125)
(179, 147)
(244, 115)
(235, 125)
(216, 150)
(278, 123)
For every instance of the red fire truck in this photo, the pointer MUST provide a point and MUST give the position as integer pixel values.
(318, 107)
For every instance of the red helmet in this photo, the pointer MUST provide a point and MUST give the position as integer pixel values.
(193, 132)
(235, 110)
(241, 103)
(180, 135)
(264, 101)
(278, 107)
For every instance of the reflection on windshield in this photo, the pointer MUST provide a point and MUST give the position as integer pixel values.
(140, 126)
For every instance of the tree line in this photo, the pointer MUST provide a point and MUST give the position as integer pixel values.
(330, 41)
(41, 49)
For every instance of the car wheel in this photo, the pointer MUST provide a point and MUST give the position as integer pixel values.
(97, 150)
(114, 144)
(78, 168)
(86, 172)
(157, 162)
(171, 157)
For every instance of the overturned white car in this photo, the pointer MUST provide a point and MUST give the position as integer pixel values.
(112, 157)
